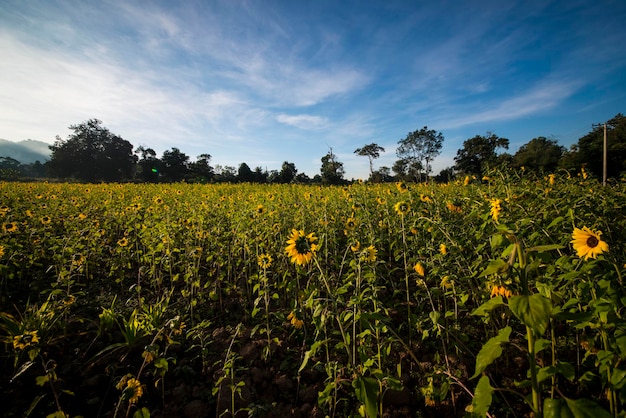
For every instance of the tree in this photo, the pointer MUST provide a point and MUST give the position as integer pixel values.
(175, 165)
(420, 146)
(148, 166)
(590, 149)
(479, 153)
(287, 173)
(201, 170)
(371, 151)
(382, 175)
(539, 155)
(92, 153)
(245, 174)
(406, 169)
(332, 169)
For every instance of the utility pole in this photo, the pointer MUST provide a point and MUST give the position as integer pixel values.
(604, 159)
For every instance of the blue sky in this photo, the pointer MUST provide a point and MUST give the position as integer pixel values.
(264, 81)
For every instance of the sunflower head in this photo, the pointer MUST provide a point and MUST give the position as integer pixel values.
(402, 208)
(27, 339)
(419, 269)
(369, 254)
(588, 243)
(265, 261)
(301, 247)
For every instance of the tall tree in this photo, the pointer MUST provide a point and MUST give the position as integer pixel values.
(287, 173)
(175, 164)
(245, 174)
(92, 153)
(420, 147)
(589, 149)
(332, 169)
(479, 153)
(201, 170)
(371, 151)
(540, 155)
(148, 166)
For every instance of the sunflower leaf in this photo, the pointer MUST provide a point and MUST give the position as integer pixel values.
(534, 311)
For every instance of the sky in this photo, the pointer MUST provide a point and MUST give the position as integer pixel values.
(268, 81)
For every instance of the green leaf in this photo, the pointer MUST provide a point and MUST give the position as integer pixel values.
(534, 311)
(366, 391)
(495, 266)
(491, 350)
(482, 397)
(487, 307)
(586, 408)
(142, 413)
(544, 248)
(42, 380)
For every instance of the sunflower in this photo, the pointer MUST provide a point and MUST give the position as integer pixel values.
(350, 224)
(9, 227)
(1, 250)
(402, 208)
(265, 261)
(122, 242)
(419, 269)
(28, 338)
(133, 389)
(46, 220)
(356, 246)
(301, 247)
(402, 187)
(587, 243)
(453, 208)
(369, 254)
(495, 209)
(443, 250)
(298, 323)
(551, 179)
(501, 291)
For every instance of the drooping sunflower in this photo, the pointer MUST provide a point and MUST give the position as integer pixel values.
(301, 247)
(443, 250)
(419, 269)
(133, 390)
(588, 243)
(298, 323)
(1, 250)
(369, 254)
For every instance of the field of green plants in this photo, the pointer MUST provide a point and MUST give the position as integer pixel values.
(497, 296)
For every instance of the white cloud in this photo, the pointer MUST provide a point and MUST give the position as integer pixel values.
(302, 121)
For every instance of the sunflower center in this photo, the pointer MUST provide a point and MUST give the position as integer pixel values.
(592, 242)
(302, 245)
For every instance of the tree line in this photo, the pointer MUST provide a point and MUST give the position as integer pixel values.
(93, 154)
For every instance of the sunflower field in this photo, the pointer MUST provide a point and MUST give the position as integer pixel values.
(499, 296)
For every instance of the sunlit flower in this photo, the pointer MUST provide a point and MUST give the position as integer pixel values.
(495, 209)
(259, 209)
(78, 260)
(122, 242)
(466, 180)
(27, 339)
(135, 206)
(551, 179)
(500, 291)
(380, 201)
(402, 208)
(265, 261)
(583, 173)
(350, 224)
(419, 269)
(356, 246)
(446, 282)
(4, 210)
(9, 227)
(402, 187)
(157, 200)
(453, 208)
(46, 220)
(1, 250)
(443, 250)
(298, 323)
(588, 243)
(301, 247)
(369, 254)
(426, 199)
(82, 216)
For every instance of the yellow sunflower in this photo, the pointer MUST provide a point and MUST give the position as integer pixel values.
(133, 390)
(265, 261)
(588, 243)
(402, 187)
(301, 247)
(122, 242)
(495, 209)
(28, 338)
(419, 269)
(369, 254)
(298, 323)
(443, 249)
(9, 227)
(1, 250)
(402, 208)
(46, 220)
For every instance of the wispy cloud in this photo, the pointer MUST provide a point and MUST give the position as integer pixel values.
(302, 121)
